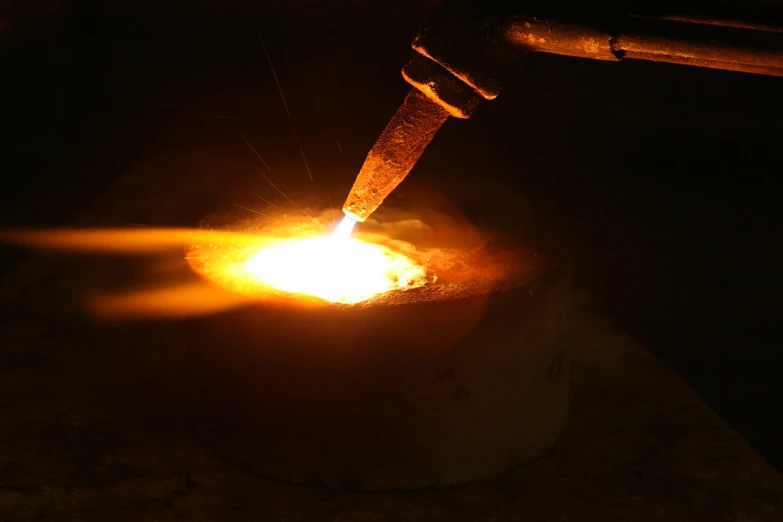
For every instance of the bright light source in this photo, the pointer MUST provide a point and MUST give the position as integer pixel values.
(344, 229)
(337, 269)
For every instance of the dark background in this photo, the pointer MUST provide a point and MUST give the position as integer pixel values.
(663, 178)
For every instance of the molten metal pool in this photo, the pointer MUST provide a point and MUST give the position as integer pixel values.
(311, 264)
(336, 269)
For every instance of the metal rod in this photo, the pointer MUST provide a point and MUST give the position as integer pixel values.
(463, 54)
(395, 153)
(714, 44)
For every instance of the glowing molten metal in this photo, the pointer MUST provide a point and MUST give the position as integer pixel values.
(340, 270)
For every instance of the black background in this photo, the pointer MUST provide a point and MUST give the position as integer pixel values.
(664, 178)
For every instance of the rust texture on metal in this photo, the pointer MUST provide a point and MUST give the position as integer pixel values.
(467, 49)
(721, 45)
(395, 153)
(554, 37)
(476, 41)
(715, 46)
(440, 86)
(465, 38)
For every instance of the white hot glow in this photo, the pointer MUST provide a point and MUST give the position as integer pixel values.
(344, 229)
(336, 269)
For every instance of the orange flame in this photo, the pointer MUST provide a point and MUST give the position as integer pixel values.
(253, 260)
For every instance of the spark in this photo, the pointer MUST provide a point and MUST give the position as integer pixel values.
(252, 148)
(259, 213)
(264, 200)
(250, 210)
(274, 74)
(267, 178)
(290, 200)
(288, 113)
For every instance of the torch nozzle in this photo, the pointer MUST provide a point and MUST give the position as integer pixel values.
(395, 153)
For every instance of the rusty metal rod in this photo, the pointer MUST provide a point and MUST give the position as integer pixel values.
(463, 54)
(395, 153)
(713, 44)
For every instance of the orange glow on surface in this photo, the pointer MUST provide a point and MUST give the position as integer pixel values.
(335, 269)
(284, 260)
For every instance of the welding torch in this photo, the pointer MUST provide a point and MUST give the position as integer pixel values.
(467, 48)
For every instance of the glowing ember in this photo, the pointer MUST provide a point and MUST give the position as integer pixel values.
(336, 269)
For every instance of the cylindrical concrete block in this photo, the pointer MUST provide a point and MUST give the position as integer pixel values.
(435, 386)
